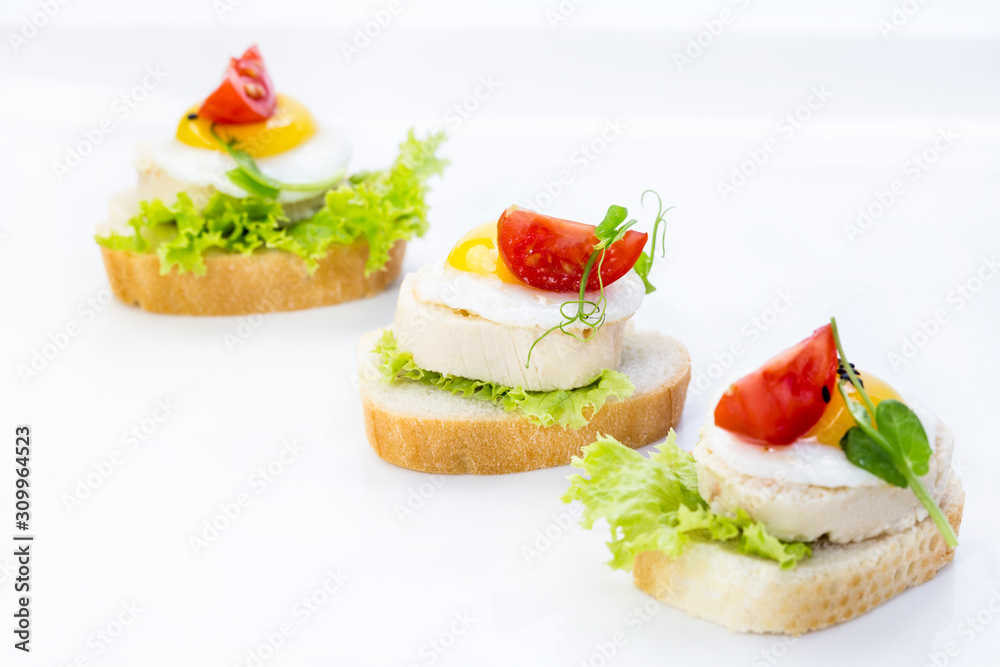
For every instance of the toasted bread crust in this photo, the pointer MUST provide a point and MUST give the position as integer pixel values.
(840, 581)
(233, 284)
(505, 442)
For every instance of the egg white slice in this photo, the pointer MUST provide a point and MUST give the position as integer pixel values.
(321, 157)
(517, 305)
(805, 461)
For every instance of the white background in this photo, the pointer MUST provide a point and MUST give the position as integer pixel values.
(463, 551)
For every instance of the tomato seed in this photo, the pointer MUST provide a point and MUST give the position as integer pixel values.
(254, 90)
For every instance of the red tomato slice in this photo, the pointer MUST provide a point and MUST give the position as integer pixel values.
(245, 96)
(783, 399)
(551, 253)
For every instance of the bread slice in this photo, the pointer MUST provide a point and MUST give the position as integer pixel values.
(234, 284)
(840, 581)
(427, 429)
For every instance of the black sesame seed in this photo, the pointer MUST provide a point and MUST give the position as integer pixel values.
(192, 116)
(842, 373)
(826, 394)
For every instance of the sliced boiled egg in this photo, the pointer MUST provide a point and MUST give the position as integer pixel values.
(837, 419)
(816, 458)
(477, 252)
(476, 280)
(290, 147)
(290, 126)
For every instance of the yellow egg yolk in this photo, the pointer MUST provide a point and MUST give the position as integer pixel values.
(291, 125)
(478, 252)
(836, 419)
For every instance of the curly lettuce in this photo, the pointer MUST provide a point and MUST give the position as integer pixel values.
(380, 207)
(568, 408)
(653, 504)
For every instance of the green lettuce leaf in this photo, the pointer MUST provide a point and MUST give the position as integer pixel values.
(571, 408)
(653, 504)
(381, 207)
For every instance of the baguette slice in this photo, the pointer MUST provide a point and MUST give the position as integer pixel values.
(233, 284)
(840, 581)
(427, 429)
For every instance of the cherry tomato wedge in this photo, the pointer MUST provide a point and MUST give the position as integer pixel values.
(245, 96)
(783, 399)
(551, 253)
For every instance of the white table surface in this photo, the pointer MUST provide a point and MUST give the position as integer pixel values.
(462, 553)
